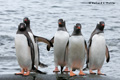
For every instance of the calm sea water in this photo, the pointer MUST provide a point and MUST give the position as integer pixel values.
(44, 15)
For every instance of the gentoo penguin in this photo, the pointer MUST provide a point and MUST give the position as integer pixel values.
(24, 50)
(35, 40)
(77, 49)
(97, 49)
(59, 42)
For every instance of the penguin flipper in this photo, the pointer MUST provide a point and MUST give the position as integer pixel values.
(30, 44)
(87, 61)
(66, 53)
(32, 54)
(41, 39)
(85, 45)
(87, 56)
(88, 52)
(52, 40)
(107, 54)
(48, 46)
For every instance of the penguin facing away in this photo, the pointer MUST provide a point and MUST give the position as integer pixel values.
(35, 40)
(25, 51)
(97, 49)
(59, 42)
(77, 49)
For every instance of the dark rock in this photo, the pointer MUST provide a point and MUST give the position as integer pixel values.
(35, 76)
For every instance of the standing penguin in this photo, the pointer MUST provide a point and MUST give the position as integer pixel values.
(97, 49)
(24, 50)
(60, 41)
(77, 49)
(35, 40)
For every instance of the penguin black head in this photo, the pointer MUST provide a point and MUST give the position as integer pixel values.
(101, 25)
(22, 27)
(77, 29)
(61, 23)
(26, 21)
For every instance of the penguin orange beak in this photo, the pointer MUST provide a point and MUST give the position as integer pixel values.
(102, 24)
(78, 27)
(60, 23)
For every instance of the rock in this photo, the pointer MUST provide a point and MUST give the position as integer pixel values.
(35, 76)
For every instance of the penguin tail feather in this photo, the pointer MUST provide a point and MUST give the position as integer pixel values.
(38, 71)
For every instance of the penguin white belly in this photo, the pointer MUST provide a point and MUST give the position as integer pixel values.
(97, 52)
(35, 49)
(76, 52)
(60, 42)
(23, 52)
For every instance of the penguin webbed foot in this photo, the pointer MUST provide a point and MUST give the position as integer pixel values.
(20, 73)
(27, 73)
(66, 70)
(72, 74)
(81, 73)
(91, 72)
(99, 73)
(56, 70)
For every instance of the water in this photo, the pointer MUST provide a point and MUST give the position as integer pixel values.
(44, 15)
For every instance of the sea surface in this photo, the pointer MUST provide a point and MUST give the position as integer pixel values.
(44, 15)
